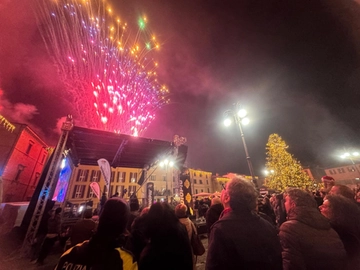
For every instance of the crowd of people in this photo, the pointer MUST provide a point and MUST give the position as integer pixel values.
(293, 230)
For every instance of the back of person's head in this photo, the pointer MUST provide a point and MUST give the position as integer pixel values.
(161, 220)
(215, 200)
(242, 193)
(88, 213)
(343, 191)
(180, 210)
(113, 218)
(134, 204)
(301, 197)
(343, 211)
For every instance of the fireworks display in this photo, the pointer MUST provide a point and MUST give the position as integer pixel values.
(109, 74)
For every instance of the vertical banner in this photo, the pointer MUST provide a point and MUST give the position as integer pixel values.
(106, 171)
(185, 190)
(95, 188)
(150, 193)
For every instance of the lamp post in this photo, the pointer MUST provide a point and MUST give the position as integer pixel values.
(239, 115)
(166, 163)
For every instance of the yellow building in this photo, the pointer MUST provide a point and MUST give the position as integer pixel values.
(122, 179)
(201, 181)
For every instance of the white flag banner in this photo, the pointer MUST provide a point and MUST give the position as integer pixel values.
(95, 188)
(106, 171)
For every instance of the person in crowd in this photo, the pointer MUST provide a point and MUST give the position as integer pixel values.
(53, 233)
(134, 211)
(328, 182)
(318, 198)
(180, 212)
(105, 249)
(342, 190)
(268, 211)
(279, 210)
(203, 207)
(344, 217)
(83, 228)
(168, 244)
(41, 234)
(213, 213)
(260, 210)
(103, 201)
(115, 195)
(307, 235)
(137, 239)
(240, 239)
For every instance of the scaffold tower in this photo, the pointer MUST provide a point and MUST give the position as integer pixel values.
(49, 185)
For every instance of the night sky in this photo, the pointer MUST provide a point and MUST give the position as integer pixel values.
(294, 65)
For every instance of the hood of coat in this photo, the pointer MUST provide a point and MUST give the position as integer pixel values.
(309, 216)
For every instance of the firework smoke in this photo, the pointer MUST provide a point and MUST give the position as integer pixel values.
(109, 75)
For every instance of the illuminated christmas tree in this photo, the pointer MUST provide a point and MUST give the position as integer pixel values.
(283, 169)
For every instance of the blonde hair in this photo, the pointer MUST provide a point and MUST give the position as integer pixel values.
(180, 210)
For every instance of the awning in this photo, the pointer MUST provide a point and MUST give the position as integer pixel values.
(86, 146)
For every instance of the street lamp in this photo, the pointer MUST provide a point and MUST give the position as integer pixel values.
(352, 156)
(239, 115)
(166, 163)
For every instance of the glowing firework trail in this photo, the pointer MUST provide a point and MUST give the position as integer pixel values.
(109, 75)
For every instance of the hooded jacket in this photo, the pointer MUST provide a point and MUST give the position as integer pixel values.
(309, 242)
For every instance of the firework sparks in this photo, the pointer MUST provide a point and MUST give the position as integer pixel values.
(109, 75)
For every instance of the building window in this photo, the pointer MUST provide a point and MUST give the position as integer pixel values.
(195, 182)
(208, 190)
(120, 189)
(206, 176)
(200, 175)
(351, 169)
(82, 175)
(133, 177)
(200, 182)
(196, 191)
(341, 170)
(202, 190)
(43, 159)
(121, 177)
(20, 170)
(207, 182)
(152, 177)
(131, 190)
(95, 176)
(90, 193)
(194, 173)
(36, 178)
(30, 145)
(78, 191)
(112, 179)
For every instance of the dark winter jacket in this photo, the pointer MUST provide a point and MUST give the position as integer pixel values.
(213, 214)
(168, 250)
(96, 256)
(309, 242)
(243, 241)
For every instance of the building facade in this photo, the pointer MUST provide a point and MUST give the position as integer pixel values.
(345, 175)
(124, 181)
(23, 155)
(201, 181)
